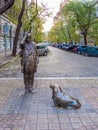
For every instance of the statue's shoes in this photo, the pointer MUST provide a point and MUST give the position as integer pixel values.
(31, 90)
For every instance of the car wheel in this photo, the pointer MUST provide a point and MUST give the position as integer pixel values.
(86, 54)
(45, 53)
(83, 53)
(79, 52)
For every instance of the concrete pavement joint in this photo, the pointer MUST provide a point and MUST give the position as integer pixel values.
(56, 78)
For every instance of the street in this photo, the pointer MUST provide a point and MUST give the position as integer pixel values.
(58, 63)
(67, 64)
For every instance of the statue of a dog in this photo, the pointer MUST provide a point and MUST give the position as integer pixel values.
(63, 100)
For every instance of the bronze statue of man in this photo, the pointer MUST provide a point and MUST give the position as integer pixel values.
(28, 62)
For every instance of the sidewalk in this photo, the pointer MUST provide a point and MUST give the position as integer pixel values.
(5, 59)
(35, 112)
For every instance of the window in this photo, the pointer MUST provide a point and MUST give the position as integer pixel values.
(40, 47)
(97, 48)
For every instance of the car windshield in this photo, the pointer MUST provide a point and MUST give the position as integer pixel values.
(40, 47)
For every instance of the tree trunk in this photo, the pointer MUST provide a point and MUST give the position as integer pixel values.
(30, 26)
(63, 30)
(7, 4)
(18, 28)
(85, 40)
(69, 34)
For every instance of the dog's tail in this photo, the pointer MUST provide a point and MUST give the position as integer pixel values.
(77, 105)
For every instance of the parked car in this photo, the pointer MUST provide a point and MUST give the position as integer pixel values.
(71, 47)
(42, 50)
(64, 46)
(80, 49)
(91, 51)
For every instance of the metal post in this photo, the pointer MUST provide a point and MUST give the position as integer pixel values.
(5, 44)
(10, 31)
(6, 32)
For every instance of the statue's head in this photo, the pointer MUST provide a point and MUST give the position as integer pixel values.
(28, 38)
(55, 88)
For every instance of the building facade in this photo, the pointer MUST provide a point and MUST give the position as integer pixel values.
(7, 33)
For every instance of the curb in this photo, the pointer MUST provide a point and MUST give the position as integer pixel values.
(4, 63)
(8, 61)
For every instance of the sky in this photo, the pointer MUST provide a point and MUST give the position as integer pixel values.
(54, 6)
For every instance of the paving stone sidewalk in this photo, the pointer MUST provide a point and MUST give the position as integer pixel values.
(36, 112)
(5, 59)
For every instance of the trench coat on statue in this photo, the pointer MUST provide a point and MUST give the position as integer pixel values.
(29, 63)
